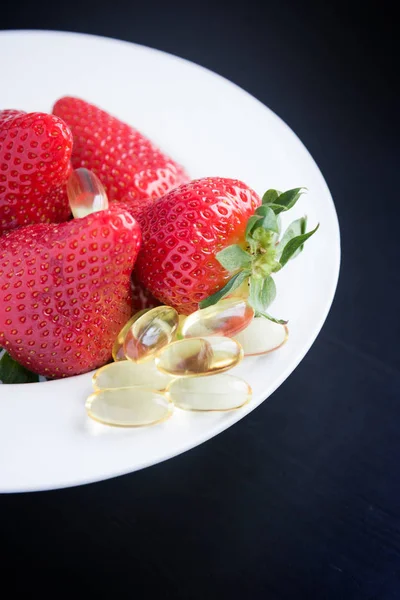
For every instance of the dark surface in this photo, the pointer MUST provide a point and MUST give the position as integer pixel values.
(302, 498)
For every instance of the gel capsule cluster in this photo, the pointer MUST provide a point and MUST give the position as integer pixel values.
(162, 360)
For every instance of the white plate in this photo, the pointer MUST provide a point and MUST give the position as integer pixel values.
(213, 128)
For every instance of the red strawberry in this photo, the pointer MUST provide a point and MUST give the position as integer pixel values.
(35, 152)
(141, 297)
(65, 291)
(128, 164)
(204, 239)
(8, 114)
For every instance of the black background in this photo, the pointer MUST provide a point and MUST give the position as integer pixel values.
(301, 499)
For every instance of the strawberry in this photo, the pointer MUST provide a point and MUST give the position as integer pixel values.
(205, 239)
(8, 114)
(141, 297)
(128, 164)
(35, 152)
(65, 291)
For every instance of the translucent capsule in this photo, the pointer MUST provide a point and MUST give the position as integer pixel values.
(86, 193)
(178, 332)
(219, 392)
(118, 347)
(150, 332)
(128, 407)
(128, 374)
(227, 318)
(262, 336)
(199, 356)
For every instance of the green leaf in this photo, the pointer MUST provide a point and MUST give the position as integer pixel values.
(279, 202)
(277, 208)
(233, 258)
(293, 245)
(250, 225)
(13, 372)
(229, 287)
(262, 293)
(288, 199)
(262, 210)
(273, 319)
(270, 196)
(268, 221)
(295, 229)
(279, 221)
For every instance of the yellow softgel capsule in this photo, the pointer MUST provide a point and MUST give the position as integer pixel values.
(199, 356)
(227, 318)
(219, 392)
(262, 336)
(150, 332)
(178, 332)
(128, 407)
(128, 374)
(118, 347)
(86, 193)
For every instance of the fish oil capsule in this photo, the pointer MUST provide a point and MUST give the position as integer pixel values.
(128, 407)
(199, 356)
(262, 336)
(219, 392)
(150, 332)
(118, 347)
(227, 317)
(128, 374)
(178, 332)
(86, 193)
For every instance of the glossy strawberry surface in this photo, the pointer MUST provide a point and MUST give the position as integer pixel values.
(182, 233)
(8, 114)
(127, 163)
(65, 291)
(35, 152)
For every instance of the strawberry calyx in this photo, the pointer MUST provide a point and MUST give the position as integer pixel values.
(263, 253)
(12, 372)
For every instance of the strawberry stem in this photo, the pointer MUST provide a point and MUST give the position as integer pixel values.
(265, 253)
